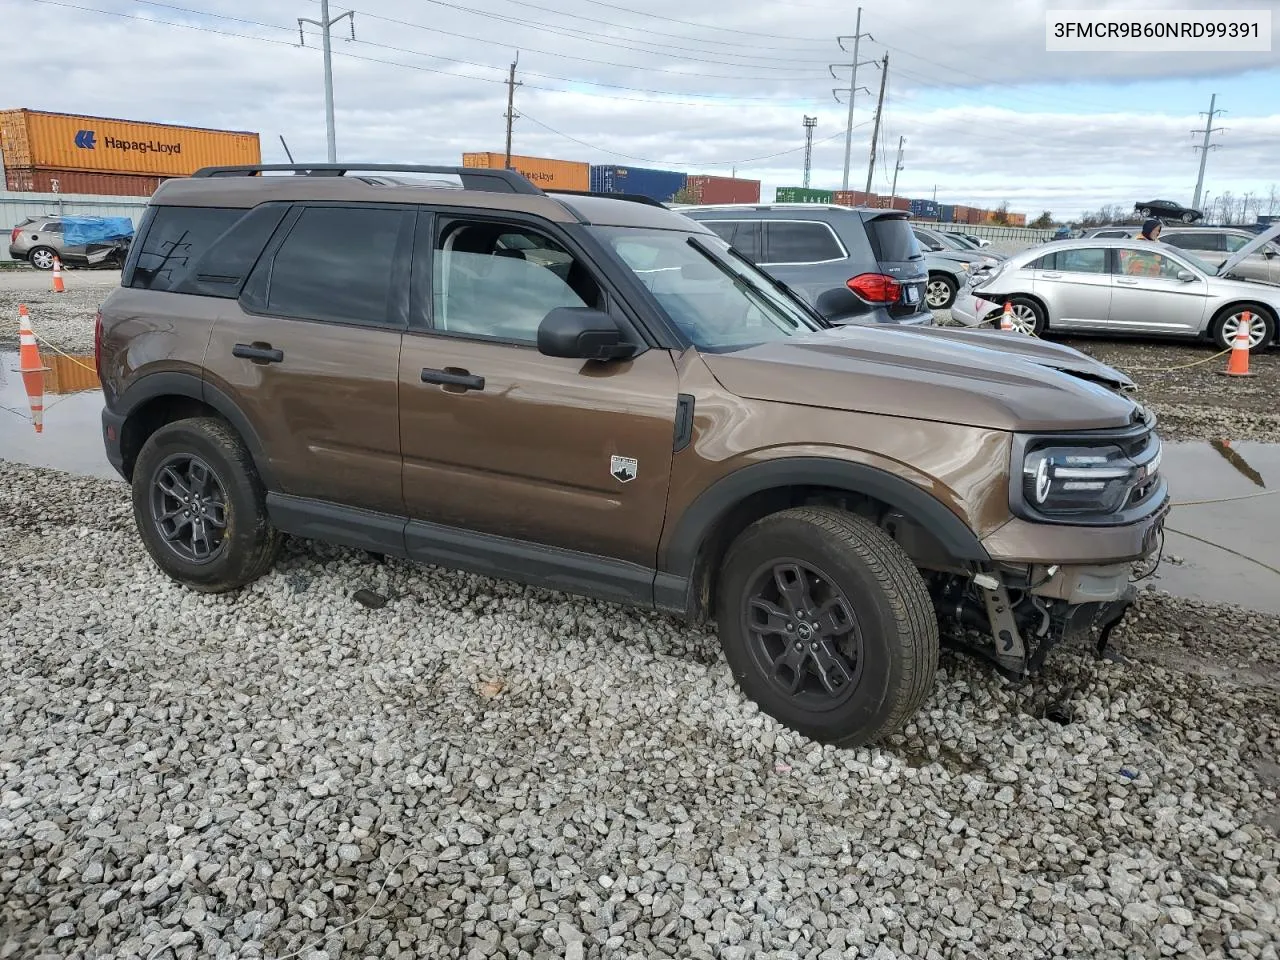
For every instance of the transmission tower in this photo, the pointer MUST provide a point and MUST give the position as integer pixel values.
(809, 124)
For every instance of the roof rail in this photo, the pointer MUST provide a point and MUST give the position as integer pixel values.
(482, 179)
(629, 197)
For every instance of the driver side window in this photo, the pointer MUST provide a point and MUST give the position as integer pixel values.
(498, 280)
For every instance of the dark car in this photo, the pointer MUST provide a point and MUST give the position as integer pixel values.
(601, 396)
(851, 264)
(1168, 210)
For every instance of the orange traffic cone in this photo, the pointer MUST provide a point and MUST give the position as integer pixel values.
(1238, 361)
(58, 285)
(31, 368)
(1006, 318)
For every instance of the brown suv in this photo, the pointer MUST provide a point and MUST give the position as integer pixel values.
(598, 395)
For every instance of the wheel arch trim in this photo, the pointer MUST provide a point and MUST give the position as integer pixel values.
(711, 506)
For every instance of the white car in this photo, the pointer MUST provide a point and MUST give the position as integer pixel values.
(1125, 285)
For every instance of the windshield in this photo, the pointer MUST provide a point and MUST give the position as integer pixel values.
(964, 243)
(719, 301)
(1206, 268)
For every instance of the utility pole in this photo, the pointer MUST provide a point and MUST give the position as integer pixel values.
(1204, 148)
(875, 131)
(893, 191)
(325, 24)
(853, 88)
(809, 124)
(511, 105)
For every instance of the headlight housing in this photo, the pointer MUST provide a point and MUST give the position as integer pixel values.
(1100, 478)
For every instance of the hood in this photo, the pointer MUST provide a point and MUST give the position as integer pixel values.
(976, 378)
(1253, 246)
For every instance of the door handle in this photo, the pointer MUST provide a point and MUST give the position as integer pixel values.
(257, 352)
(1127, 283)
(1052, 276)
(453, 377)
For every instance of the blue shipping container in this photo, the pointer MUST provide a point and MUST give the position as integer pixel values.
(660, 185)
(947, 212)
(924, 208)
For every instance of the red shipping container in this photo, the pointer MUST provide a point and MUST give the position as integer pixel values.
(976, 216)
(852, 198)
(40, 180)
(901, 203)
(961, 214)
(709, 189)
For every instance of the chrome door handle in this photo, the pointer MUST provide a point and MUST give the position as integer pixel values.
(1128, 283)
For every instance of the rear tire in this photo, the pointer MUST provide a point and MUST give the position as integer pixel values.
(1145, 211)
(1188, 217)
(41, 258)
(200, 506)
(868, 665)
(1262, 327)
(940, 293)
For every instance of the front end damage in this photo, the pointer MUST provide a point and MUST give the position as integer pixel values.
(1014, 615)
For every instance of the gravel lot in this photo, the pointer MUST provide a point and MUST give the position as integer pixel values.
(65, 319)
(477, 770)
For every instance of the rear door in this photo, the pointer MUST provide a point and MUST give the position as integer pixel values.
(807, 256)
(898, 254)
(310, 351)
(1075, 285)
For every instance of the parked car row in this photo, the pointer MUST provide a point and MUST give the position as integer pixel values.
(1104, 284)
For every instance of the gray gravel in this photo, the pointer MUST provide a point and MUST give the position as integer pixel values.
(63, 319)
(481, 770)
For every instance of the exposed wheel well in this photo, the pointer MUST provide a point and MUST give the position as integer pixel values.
(150, 417)
(924, 549)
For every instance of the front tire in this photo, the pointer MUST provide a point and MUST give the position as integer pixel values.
(200, 506)
(1188, 217)
(940, 292)
(827, 625)
(1145, 211)
(1262, 328)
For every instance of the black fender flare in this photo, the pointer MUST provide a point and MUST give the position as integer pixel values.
(176, 383)
(716, 501)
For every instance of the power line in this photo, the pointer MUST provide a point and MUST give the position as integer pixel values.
(704, 101)
(1209, 130)
(708, 26)
(679, 163)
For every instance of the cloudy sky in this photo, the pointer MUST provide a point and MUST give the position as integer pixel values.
(702, 86)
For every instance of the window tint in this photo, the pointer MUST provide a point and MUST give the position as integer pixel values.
(225, 265)
(336, 265)
(1196, 241)
(1091, 260)
(176, 238)
(1043, 263)
(892, 240)
(1233, 242)
(746, 238)
(789, 241)
(500, 281)
(53, 226)
(1148, 263)
(723, 229)
(1112, 234)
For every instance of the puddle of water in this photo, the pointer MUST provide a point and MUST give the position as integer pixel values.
(72, 437)
(1211, 471)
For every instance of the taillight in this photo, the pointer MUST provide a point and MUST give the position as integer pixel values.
(13, 237)
(876, 288)
(97, 343)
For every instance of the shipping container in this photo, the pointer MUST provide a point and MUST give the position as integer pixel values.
(852, 198)
(900, 203)
(924, 208)
(961, 214)
(40, 180)
(975, 215)
(543, 172)
(709, 189)
(802, 195)
(660, 185)
(1018, 219)
(947, 212)
(31, 139)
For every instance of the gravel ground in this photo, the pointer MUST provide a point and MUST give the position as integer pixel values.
(478, 770)
(64, 319)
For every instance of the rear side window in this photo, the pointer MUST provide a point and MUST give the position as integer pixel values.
(892, 239)
(1043, 263)
(177, 237)
(1197, 241)
(1091, 260)
(53, 226)
(791, 241)
(222, 270)
(743, 235)
(336, 265)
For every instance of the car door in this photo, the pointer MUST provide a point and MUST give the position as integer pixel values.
(1075, 285)
(309, 353)
(1153, 290)
(502, 441)
(807, 256)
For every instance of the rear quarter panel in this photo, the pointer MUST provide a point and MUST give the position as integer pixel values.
(146, 332)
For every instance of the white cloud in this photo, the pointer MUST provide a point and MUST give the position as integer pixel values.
(72, 60)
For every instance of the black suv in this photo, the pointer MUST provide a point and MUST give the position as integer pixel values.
(851, 264)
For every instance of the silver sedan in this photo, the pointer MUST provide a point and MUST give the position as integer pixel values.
(1125, 286)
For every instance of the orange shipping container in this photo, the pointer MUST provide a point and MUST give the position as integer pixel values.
(63, 141)
(543, 172)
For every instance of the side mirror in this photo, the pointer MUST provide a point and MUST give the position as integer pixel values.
(1186, 276)
(581, 333)
(1269, 253)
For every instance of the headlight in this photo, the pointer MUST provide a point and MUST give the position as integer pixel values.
(965, 266)
(1103, 482)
